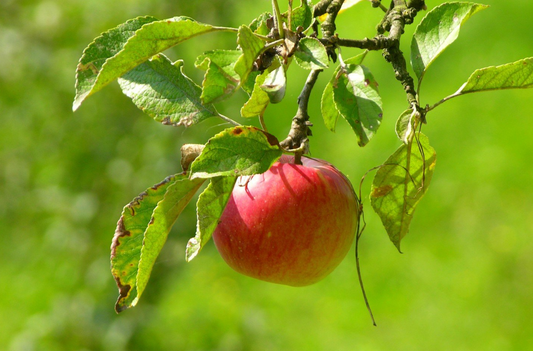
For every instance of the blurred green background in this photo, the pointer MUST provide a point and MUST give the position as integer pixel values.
(464, 282)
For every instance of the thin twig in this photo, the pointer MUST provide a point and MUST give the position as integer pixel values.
(229, 120)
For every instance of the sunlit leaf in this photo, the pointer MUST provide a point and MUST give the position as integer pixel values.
(237, 151)
(210, 206)
(399, 185)
(437, 30)
(128, 47)
(99, 51)
(141, 232)
(161, 90)
(513, 75)
(311, 54)
(357, 99)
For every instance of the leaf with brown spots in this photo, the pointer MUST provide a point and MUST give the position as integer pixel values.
(142, 231)
(237, 151)
(400, 184)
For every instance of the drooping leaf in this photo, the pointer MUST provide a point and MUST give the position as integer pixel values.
(132, 48)
(211, 204)
(404, 126)
(399, 185)
(160, 89)
(251, 47)
(437, 30)
(237, 151)
(141, 232)
(99, 51)
(220, 79)
(311, 54)
(513, 75)
(357, 99)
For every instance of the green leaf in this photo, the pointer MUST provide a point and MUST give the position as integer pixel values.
(404, 126)
(437, 30)
(302, 16)
(220, 79)
(251, 47)
(355, 60)
(330, 114)
(237, 151)
(141, 232)
(159, 88)
(357, 99)
(258, 101)
(311, 54)
(99, 51)
(130, 48)
(513, 75)
(399, 185)
(210, 206)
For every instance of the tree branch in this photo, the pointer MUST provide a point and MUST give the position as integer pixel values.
(297, 140)
(328, 27)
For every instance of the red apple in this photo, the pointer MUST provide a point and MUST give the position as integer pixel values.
(291, 225)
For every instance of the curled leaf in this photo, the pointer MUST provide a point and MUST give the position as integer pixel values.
(142, 231)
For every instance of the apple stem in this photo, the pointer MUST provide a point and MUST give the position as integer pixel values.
(360, 231)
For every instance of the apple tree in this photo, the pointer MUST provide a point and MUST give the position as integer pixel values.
(303, 37)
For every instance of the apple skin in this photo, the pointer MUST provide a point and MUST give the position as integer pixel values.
(291, 225)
